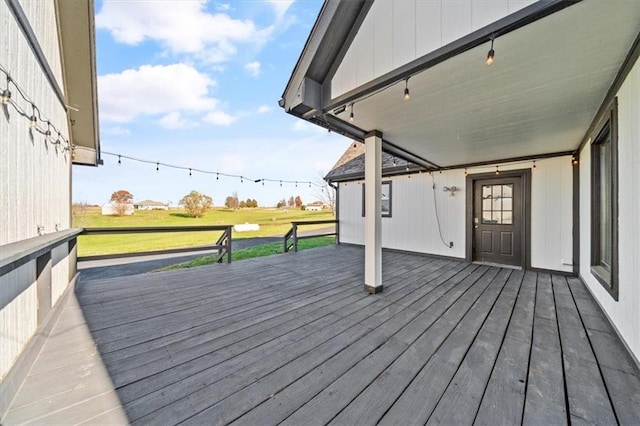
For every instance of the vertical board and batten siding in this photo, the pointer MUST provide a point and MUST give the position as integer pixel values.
(384, 44)
(413, 225)
(34, 175)
(625, 313)
(18, 313)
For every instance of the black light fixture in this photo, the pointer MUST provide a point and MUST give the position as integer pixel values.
(217, 176)
(491, 53)
(406, 89)
(534, 164)
(351, 114)
(189, 172)
(157, 167)
(497, 171)
(119, 161)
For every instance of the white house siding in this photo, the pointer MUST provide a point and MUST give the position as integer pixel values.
(34, 176)
(625, 313)
(417, 27)
(19, 315)
(413, 225)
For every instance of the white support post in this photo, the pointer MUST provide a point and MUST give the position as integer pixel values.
(373, 213)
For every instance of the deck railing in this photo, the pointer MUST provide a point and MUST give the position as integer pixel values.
(292, 234)
(222, 244)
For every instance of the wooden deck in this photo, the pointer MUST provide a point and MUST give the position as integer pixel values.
(294, 339)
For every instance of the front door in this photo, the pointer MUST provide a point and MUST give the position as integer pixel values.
(498, 219)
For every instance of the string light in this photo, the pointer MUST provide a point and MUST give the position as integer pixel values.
(406, 89)
(534, 164)
(395, 162)
(574, 161)
(7, 99)
(465, 171)
(119, 161)
(193, 170)
(351, 115)
(497, 171)
(491, 53)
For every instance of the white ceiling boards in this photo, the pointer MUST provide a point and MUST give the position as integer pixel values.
(548, 80)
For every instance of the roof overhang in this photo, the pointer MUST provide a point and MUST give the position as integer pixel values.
(77, 50)
(555, 63)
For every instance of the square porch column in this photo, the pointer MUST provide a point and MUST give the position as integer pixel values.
(373, 213)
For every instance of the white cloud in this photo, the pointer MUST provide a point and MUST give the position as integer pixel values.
(220, 118)
(263, 109)
(280, 7)
(305, 126)
(173, 120)
(153, 90)
(223, 7)
(180, 26)
(253, 68)
(117, 131)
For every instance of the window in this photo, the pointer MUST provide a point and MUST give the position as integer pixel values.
(385, 199)
(497, 204)
(604, 204)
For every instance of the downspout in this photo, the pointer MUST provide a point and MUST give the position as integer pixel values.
(337, 209)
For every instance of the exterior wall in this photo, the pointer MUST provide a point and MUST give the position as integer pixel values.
(625, 313)
(18, 313)
(413, 225)
(384, 44)
(34, 176)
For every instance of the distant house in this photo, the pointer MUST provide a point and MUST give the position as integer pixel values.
(316, 206)
(111, 210)
(150, 205)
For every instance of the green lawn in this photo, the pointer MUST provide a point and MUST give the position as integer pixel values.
(273, 222)
(257, 251)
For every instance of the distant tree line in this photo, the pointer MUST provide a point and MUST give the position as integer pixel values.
(232, 202)
(292, 202)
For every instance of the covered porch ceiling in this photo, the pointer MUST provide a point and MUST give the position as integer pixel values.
(539, 97)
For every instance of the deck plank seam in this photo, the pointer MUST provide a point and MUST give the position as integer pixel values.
(533, 325)
(473, 340)
(452, 303)
(587, 334)
(504, 335)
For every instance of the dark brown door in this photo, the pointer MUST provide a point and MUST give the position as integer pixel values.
(497, 220)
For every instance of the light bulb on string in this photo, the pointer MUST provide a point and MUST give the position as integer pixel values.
(217, 176)
(406, 89)
(351, 114)
(157, 167)
(280, 184)
(189, 172)
(534, 165)
(119, 161)
(491, 54)
(309, 184)
(465, 171)
(497, 171)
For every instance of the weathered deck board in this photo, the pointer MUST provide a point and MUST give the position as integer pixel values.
(294, 339)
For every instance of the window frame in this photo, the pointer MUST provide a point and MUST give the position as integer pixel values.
(606, 129)
(384, 182)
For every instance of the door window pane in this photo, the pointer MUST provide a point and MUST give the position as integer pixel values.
(497, 204)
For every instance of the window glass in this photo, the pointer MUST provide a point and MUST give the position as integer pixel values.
(497, 204)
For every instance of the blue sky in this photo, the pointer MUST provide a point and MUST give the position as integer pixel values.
(196, 84)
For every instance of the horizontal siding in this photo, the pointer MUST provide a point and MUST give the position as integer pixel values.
(34, 175)
(414, 226)
(395, 33)
(18, 313)
(625, 313)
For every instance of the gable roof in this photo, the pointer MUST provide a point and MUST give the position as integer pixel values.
(350, 166)
(150, 203)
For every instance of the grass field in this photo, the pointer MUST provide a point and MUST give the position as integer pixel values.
(257, 251)
(273, 222)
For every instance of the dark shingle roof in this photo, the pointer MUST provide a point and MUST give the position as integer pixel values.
(351, 165)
